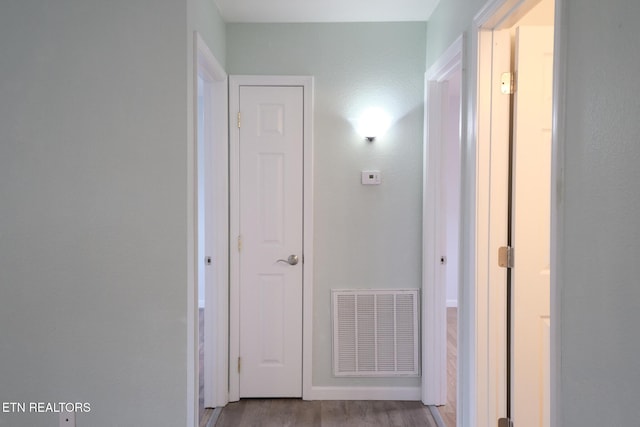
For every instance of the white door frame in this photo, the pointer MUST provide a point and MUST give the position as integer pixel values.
(214, 169)
(481, 398)
(434, 319)
(306, 82)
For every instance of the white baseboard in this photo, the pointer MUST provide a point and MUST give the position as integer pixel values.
(365, 393)
(200, 303)
(452, 303)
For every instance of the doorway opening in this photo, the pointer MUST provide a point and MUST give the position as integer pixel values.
(442, 224)
(212, 251)
(513, 212)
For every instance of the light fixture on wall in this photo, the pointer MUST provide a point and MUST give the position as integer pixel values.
(373, 123)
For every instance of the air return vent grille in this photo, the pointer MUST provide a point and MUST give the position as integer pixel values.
(375, 333)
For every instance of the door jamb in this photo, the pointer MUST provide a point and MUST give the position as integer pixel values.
(306, 82)
(434, 319)
(491, 214)
(215, 167)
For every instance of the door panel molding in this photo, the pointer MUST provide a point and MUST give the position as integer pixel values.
(306, 83)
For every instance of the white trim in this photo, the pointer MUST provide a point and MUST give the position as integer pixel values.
(434, 319)
(488, 405)
(452, 303)
(192, 244)
(216, 338)
(234, 233)
(491, 230)
(306, 82)
(308, 239)
(365, 393)
(201, 303)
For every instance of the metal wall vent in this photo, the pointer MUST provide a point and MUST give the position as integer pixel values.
(375, 333)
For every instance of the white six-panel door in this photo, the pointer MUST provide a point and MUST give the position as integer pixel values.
(531, 226)
(271, 229)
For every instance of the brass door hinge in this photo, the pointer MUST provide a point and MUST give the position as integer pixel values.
(238, 119)
(239, 364)
(507, 83)
(505, 257)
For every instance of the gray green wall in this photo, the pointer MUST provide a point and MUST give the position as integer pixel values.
(93, 177)
(450, 19)
(601, 199)
(209, 23)
(365, 236)
(93, 208)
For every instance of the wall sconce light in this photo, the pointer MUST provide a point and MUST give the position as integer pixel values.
(373, 123)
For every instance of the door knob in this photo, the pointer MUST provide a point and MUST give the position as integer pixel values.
(292, 260)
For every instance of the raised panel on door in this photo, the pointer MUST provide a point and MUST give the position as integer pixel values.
(531, 177)
(271, 179)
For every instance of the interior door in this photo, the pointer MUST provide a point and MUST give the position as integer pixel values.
(531, 194)
(271, 202)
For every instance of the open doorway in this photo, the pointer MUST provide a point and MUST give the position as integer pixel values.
(513, 199)
(450, 258)
(212, 253)
(442, 221)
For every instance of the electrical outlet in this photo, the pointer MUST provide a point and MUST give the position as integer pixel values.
(67, 419)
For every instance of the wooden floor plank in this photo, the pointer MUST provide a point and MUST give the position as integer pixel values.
(325, 413)
(231, 414)
(333, 413)
(201, 409)
(448, 411)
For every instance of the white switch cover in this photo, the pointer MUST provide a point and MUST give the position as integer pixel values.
(371, 177)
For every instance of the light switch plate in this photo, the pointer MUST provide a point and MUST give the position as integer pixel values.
(371, 177)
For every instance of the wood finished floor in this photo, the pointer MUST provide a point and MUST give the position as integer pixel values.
(203, 413)
(292, 412)
(324, 413)
(448, 411)
(201, 361)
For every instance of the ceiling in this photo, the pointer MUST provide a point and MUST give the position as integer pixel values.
(289, 11)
